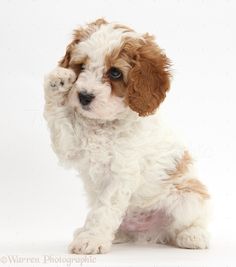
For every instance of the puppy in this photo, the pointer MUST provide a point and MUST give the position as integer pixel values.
(140, 180)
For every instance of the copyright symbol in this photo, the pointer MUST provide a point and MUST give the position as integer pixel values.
(3, 259)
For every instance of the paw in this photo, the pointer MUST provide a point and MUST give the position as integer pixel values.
(85, 243)
(59, 80)
(193, 237)
(71, 154)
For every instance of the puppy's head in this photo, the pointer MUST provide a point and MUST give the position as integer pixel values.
(117, 69)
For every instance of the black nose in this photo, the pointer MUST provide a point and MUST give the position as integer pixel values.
(85, 98)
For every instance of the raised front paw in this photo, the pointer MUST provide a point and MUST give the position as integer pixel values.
(59, 80)
(87, 243)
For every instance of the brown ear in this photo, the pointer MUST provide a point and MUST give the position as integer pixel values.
(65, 61)
(148, 79)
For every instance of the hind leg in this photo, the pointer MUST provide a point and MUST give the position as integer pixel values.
(190, 216)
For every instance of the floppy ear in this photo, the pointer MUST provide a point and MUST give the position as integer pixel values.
(65, 61)
(148, 79)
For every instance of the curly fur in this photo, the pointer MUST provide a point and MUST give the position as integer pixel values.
(139, 178)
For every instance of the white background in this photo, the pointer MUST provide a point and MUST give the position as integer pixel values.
(40, 202)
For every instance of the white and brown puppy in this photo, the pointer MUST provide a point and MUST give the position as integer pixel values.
(100, 104)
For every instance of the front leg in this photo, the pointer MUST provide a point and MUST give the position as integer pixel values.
(105, 218)
(59, 116)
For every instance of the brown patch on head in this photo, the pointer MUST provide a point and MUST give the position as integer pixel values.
(117, 59)
(80, 34)
(193, 186)
(181, 167)
(118, 88)
(146, 77)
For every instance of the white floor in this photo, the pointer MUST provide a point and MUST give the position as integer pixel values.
(53, 253)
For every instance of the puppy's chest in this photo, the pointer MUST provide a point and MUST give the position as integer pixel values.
(96, 152)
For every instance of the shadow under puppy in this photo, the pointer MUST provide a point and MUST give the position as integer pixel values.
(140, 180)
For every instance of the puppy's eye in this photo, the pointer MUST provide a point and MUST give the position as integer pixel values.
(114, 73)
(82, 67)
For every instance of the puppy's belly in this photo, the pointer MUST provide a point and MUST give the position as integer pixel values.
(144, 220)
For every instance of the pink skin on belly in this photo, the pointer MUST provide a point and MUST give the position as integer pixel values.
(144, 221)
